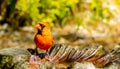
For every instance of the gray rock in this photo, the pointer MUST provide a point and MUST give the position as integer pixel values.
(17, 58)
(11, 56)
(82, 65)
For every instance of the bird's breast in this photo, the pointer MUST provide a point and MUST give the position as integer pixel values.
(43, 41)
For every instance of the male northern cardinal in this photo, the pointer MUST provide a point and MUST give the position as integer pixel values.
(43, 39)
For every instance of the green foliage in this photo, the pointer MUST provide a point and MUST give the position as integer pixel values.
(100, 11)
(12, 5)
(30, 7)
(97, 11)
(47, 10)
(81, 12)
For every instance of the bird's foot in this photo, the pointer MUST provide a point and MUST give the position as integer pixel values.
(34, 60)
(51, 59)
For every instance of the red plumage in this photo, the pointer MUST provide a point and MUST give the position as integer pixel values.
(43, 39)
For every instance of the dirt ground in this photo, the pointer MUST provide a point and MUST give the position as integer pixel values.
(82, 36)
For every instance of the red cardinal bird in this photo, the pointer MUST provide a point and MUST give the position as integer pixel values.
(43, 39)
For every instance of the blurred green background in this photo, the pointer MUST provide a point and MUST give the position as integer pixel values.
(81, 22)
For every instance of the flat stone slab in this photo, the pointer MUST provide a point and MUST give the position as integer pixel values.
(18, 58)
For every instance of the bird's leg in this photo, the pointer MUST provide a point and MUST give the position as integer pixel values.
(51, 58)
(34, 59)
(36, 51)
(48, 57)
(47, 53)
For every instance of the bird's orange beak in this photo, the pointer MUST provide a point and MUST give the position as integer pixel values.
(38, 27)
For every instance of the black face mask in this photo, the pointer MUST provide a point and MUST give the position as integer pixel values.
(40, 31)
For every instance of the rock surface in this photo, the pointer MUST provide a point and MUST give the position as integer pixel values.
(10, 56)
(17, 58)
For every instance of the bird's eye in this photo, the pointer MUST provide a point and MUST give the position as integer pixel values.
(42, 25)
